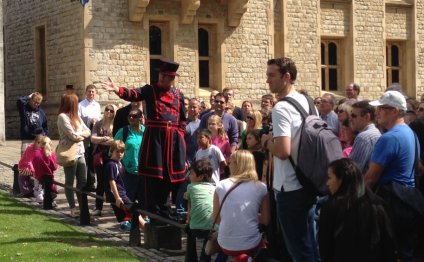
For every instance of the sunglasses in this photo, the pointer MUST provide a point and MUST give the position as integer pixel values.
(249, 118)
(353, 115)
(317, 103)
(219, 102)
(109, 110)
(132, 116)
(340, 111)
(421, 109)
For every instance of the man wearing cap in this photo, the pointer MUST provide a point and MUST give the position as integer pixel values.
(163, 150)
(392, 161)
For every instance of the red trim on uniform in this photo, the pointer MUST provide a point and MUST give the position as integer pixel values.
(121, 91)
(133, 93)
(161, 124)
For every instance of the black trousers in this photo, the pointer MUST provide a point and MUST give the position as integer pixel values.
(155, 194)
(91, 173)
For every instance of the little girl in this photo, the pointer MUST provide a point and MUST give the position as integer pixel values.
(219, 136)
(27, 184)
(45, 164)
(220, 139)
(253, 141)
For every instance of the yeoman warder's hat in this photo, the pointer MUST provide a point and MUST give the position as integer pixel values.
(168, 68)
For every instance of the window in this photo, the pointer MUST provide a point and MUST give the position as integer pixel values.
(158, 37)
(393, 63)
(206, 37)
(204, 63)
(40, 60)
(330, 68)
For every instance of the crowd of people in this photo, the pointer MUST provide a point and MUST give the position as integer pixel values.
(163, 149)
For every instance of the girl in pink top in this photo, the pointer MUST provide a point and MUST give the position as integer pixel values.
(219, 136)
(27, 184)
(220, 139)
(45, 163)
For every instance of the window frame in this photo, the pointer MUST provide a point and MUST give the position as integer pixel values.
(327, 67)
(389, 67)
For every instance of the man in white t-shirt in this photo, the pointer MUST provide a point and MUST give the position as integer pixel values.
(90, 112)
(294, 203)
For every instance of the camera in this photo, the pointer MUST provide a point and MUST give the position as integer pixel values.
(266, 128)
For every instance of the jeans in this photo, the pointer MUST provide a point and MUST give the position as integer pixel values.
(78, 171)
(181, 203)
(132, 185)
(295, 212)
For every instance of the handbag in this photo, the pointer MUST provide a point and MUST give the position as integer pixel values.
(66, 154)
(212, 245)
(98, 159)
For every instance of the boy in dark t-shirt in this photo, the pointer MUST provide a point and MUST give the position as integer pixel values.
(115, 190)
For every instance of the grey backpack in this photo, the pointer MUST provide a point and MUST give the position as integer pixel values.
(318, 147)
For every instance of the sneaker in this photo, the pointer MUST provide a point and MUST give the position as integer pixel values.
(39, 199)
(74, 212)
(125, 226)
(96, 213)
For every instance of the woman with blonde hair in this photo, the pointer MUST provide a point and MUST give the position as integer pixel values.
(73, 130)
(245, 208)
(254, 121)
(102, 138)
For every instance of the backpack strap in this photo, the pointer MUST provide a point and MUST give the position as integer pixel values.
(303, 113)
(125, 131)
(299, 107)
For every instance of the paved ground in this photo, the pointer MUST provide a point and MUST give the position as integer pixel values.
(105, 227)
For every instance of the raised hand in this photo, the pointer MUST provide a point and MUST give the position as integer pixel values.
(109, 85)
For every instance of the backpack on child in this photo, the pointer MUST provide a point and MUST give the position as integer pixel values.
(318, 147)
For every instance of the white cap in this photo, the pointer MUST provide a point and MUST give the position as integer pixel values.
(391, 98)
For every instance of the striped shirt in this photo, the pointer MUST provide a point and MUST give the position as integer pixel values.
(363, 146)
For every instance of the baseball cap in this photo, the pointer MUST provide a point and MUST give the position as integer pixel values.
(391, 98)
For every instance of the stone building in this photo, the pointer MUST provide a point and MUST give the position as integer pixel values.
(218, 43)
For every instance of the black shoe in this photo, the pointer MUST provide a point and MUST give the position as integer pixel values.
(90, 188)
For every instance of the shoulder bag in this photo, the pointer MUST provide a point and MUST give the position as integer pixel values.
(212, 245)
(66, 154)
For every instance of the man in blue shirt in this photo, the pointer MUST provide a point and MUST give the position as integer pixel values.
(392, 161)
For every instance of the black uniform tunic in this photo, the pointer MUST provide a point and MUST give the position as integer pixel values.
(163, 150)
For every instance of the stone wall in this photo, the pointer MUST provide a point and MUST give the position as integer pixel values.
(369, 46)
(334, 19)
(302, 42)
(120, 47)
(398, 23)
(86, 45)
(419, 16)
(64, 58)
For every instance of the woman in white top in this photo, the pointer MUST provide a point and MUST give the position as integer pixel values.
(244, 209)
(73, 130)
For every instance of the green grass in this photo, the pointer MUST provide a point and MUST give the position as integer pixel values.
(28, 235)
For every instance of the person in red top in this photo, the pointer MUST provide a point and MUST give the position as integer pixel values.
(45, 163)
(163, 151)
